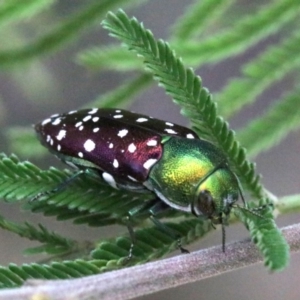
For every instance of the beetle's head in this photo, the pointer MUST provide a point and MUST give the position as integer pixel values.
(216, 194)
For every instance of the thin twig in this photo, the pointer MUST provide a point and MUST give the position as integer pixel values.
(151, 277)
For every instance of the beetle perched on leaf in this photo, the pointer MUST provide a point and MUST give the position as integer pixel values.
(139, 153)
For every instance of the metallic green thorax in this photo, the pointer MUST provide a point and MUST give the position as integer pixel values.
(190, 168)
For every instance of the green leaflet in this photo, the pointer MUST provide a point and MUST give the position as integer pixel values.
(266, 235)
(186, 90)
(109, 255)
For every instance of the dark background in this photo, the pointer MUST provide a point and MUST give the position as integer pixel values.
(56, 84)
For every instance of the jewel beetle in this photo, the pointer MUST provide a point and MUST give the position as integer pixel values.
(139, 153)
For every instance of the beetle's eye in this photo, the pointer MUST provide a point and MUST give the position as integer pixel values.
(204, 204)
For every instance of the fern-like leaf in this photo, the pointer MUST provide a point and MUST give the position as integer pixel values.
(151, 243)
(66, 31)
(270, 128)
(186, 89)
(198, 16)
(259, 74)
(266, 235)
(248, 31)
(108, 57)
(53, 242)
(13, 10)
(90, 201)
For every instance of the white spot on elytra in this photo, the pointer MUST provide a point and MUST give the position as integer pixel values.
(93, 111)
(109, 179)
(149, 163)
(86, 118)
(117, 110)
(95, 119)
(171, 131)
(51, 142)
(48, 139)
(96, 129)
(61, 135)
(118, 116)
(81, 127)
(152, 143)
(111, 145)
(141, 120)
(131, 178)
(54, 116)
(80, 154)
(56, 121)
(89, 145)
(116, 163)
(190, 136)
(122, 133)
(78, 124)
(58, 147)
(169, 124)
(72, 112)
(46, 121)
(132, 148)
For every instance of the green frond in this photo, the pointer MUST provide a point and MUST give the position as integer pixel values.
(13, 10)
(69, 29)
(90, 195)
(186, 90)
(23, 180)
(197, 17)
(53, 243)
(247, 32)
(288, 204)
(270, 128)
(151, 243)
(108, 57)
(266, 235)
(271, 66)
(124, 94)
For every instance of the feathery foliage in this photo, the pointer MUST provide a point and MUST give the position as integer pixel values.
(265, 235)
(68, 30)
(14, 9)
(90, 201)
(109, 255)
(246, 32)
(53, 242)
(196, 19)
(186, 90)
(270, 128)
(259, 74)
(108, 57)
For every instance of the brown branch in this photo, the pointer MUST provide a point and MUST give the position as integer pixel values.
(151, 277)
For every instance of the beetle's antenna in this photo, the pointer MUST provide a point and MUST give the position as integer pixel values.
(240, 190)
(255, 211)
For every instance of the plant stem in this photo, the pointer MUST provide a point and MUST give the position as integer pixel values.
(145, 279)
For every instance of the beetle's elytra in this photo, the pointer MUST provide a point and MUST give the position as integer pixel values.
(139, 153)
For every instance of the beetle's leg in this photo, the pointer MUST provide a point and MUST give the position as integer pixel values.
(135, 212)
(157, 208)
(58, 188)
